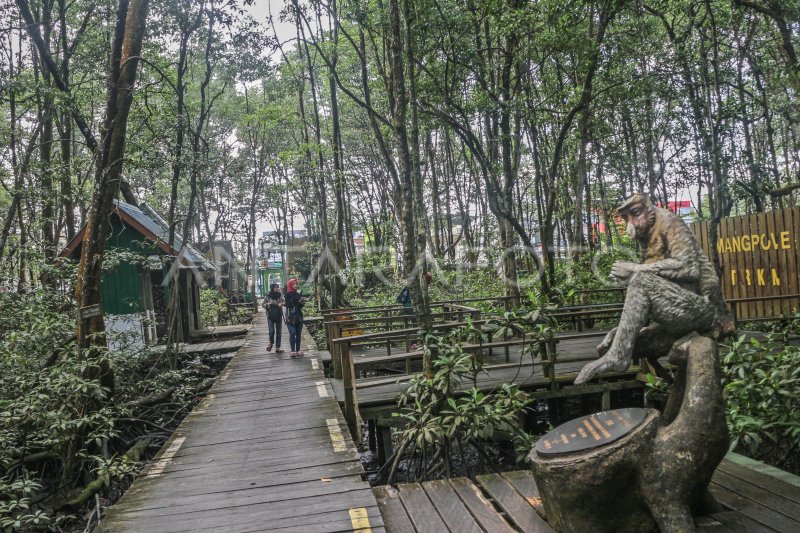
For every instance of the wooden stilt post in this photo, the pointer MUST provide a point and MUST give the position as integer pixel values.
(351, 414)
(385, 448)
(372, 426)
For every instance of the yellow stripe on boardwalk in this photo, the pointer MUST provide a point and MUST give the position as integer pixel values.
(203, 406)
(360, 520)
(159, 466)
(337, 439)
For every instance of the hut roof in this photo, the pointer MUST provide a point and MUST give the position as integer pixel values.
(147, 222)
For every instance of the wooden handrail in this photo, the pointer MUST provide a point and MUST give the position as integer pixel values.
(372, 309)
(367, 310)
(763, 298)
(334, 329)
(376, 382)
(378, 320)
(340, 347)
(417, 354)
(607, 289)
(414, 330)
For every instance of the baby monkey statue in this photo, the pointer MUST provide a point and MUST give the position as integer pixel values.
(673, 291)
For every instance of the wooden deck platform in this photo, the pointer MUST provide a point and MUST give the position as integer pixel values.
(756, 497)
(222, 332)
(376, 395)
(266, 450)
(207, 348)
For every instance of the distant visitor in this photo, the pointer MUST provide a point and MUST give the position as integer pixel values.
(273, 304)
(294, 302)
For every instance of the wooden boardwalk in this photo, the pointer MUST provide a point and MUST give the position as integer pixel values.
(207, 348)
(756, 498)
(499, 503)
(266, 450)
(222, 332)
(377, 394)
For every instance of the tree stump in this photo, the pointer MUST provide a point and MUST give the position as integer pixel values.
(636, 469)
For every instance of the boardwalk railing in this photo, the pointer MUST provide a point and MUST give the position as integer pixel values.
(358, 321)
(341, 324)
(355, 355)
(343, 358)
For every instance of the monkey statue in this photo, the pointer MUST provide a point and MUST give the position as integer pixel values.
(673, 291)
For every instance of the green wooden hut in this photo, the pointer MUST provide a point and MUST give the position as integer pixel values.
(135, 291)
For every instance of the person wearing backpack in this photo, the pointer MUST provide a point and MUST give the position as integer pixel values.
(294, 316)
(404, 298)
(273, 303)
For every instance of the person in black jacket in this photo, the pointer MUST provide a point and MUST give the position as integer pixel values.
(294, 316)
(273, 303)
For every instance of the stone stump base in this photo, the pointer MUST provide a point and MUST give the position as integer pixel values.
(635, 470)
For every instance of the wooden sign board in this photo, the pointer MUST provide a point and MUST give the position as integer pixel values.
(588, 432)
(90, 311)
(760, 258)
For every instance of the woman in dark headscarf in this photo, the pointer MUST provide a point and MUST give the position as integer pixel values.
(273, 303)
(294, 316)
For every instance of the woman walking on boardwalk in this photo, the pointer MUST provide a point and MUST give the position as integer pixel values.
(294, 316)
(273, 303)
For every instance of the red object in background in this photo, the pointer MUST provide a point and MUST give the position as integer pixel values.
(679, 206)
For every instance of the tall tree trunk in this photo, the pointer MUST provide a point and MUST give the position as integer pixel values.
(412, 272)
(421, 228)
(327, 270)
(65, 130)
(124, 62)
(46, 146)
(188, 26)
(606, 15)
(343, 240)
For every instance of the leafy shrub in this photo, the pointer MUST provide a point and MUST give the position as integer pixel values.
(212, 306)
(762, 397)
(444, 424)
(60, 430)
(216, 310)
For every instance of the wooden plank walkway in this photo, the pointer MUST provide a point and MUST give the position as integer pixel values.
(377, 395)
(222, 332)
(756, 497)
(266, 450)
(207, 348)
